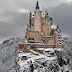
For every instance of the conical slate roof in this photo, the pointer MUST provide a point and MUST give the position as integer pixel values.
(37, 5)
(57, 26)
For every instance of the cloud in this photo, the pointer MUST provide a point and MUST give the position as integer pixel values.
(66, 35)
(1, 11)
(69, 1)
(14, 5)
(22, 10)
(6, 19)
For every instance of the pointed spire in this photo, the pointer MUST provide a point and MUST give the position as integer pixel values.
(37, 5)
(57, 26)
(46, 12)
(30, 14)
(27, 25)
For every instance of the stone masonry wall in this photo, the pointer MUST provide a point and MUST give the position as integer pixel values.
(23, 47)
(34, 34)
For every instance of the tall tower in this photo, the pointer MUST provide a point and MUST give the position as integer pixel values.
(46, 23)
(37, 19)
(30, 16)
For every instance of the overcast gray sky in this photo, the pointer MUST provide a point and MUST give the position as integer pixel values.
(16, 5)
(14, 17)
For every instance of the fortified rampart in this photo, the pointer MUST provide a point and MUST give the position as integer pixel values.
(25, 46)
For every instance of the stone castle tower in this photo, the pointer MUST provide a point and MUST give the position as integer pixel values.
(40, 27)
(39, 23)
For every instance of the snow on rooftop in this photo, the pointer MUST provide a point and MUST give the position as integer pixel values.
(40, 48)
(58, 49)
(50, 49)
(53, 27)
(25, 41)
(40, 43)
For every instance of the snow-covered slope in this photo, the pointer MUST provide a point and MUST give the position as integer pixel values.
(35, 57)
(8, 54)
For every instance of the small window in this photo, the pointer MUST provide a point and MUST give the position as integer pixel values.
(32, 24)
(42, 24)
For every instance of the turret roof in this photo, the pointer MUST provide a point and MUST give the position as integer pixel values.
(37, 5)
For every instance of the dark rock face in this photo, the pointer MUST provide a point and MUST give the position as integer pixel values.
(60, 61)
(6, 41)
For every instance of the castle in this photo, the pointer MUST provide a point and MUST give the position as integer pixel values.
(43, 41)
(40, 29)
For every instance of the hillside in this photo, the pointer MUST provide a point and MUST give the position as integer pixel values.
(8, 54)
(41, 61)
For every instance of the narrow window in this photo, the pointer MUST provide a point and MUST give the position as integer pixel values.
(32, 24)
(42, 24)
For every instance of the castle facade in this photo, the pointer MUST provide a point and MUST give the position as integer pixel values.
(43, 41)
(41, 29)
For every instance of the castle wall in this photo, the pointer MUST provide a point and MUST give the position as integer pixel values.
(34, 34)
(52, 39)
(43, 25)
(51, 21)
(37, 21)
(46, 26)
(52, 32)
(49, 25)
(32, 23)
(48, 30)
(48, 46)
(56, 37)
(23, 47)
(49, 41)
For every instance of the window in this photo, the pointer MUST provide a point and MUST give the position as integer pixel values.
(32, 24)
(42, 24)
